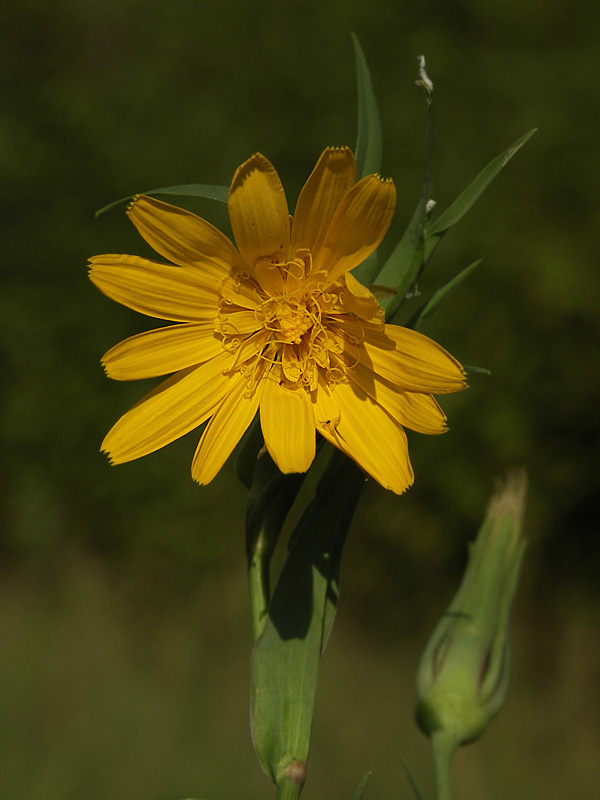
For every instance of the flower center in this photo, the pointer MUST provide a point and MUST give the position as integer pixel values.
(287, 318)
(282, 316)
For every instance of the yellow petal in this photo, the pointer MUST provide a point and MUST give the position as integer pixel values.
(225, 429)
(237, 322)
(157, 290)
(184, 238)
(331, 179)
(270, 278)
(326, 409)
(178, 405)
(358, 300)
(247, 350)
(419, 412)
(357, 227)
(240, 293)
(162, 351)
(290, 363)
(373, 439)
(287, 423)
(411, 361)
(258, 212)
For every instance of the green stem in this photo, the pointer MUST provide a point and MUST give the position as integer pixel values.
(288, 790)
(443, 745)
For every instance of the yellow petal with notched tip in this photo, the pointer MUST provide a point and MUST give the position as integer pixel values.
(331, 179)
(157, 290)
(287, 423)
(225, 429)
(161, 351)
(417, 411)
(406, 358)
(178, 405)
(357, 227)
(184, 238)
(258, 212)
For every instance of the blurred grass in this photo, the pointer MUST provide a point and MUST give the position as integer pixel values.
(125, 642)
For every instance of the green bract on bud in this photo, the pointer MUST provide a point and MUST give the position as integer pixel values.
(463, 675)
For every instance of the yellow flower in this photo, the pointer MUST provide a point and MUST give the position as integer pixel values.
(278, 325)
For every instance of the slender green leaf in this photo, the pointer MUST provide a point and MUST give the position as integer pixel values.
(369, 140)
(286, 656)
(403, 265)
(476, 370)
(466, 199)
(369, 144)
(191, 189)
(412, 780)
(438, 297)
(361, 787)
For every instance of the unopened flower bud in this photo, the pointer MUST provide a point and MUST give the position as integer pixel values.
(463, 675)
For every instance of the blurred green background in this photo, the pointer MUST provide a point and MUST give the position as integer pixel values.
(124, 628)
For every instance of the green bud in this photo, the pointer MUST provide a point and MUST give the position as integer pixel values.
(463, 675)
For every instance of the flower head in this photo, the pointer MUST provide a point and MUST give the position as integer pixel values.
(278, 325)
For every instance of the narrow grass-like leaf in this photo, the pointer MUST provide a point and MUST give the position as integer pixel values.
(361, 787)
(205, 190)
(369, 145)
(476, 370)
(438, 297)
(286, 656)
(403, 265)
(411, 779)
(466, 199)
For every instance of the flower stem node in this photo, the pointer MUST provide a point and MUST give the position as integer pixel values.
(463, 675)
(290, 780)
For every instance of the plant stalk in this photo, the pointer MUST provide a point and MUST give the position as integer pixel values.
(443, 745)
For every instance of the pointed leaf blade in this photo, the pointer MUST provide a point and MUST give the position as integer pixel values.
(208, 191)
(470, 370)
(360, 789)
(468, 197)
(403, 265)
(440, 295)
(369, 146)
(369, 142)
(412, 779)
